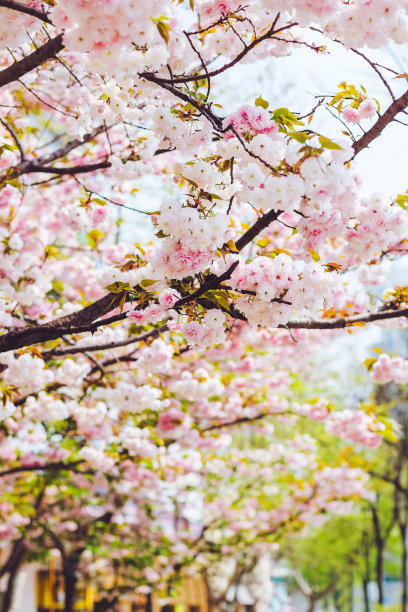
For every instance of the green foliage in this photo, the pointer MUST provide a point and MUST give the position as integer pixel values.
(402, 200)
(285, 119)
(261, 102)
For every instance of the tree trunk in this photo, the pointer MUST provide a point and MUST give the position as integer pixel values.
(404, 576)
(365, 593)
(8, 595)
(367, 570)
(13, 563)
(70, 581)
(310, 604)
(379, 562)
(379, 570)
(106, 604)
(14, 557)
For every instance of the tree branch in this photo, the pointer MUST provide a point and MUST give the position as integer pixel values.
(34, 60)
(23, 8)
(236, 60)
(204, 109)
(392, 111)
(369, 317)
(102, 347)
(56, 465)
(76, 322)
(256, 228)
(73, 144)
(240, 421)
(33, 167)
(41, 164)
(14, 137)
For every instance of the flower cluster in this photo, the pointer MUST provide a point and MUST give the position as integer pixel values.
(105, 28)
(355, 426)
(377, 225)
(390, 369)
(210, 331)
(280, 290)
(190, 242)
(367, 109)
(249, 120)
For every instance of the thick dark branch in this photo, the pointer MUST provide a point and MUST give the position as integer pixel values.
(370, 317)
(23, 8)
(71, 324)
(40, 164)
(392, 111)
(342, 323)
(13, 560)
(256, 228)
(34, 60)
(213, 283)
(68, 170)
(76, 322)
(56, 465)
(73, 144)
(204, 109)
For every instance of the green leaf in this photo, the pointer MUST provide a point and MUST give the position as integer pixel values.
(402, 200)
(118, 287)
(190, 181)
(15, 183)
(388, 433)
(225, 165)
(163, 28)
(369, 363)
(263, 242)
(99, 201)
(314, 254)
(122, 302)
(58, 286)
(328, 144)
(94, 237)
(284, 117)
(300, 136)
(261, 102)
(139, 248)
(220, 298)
(147, 282)
(232, 246)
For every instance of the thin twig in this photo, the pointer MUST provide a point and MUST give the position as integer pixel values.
(15, 138)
